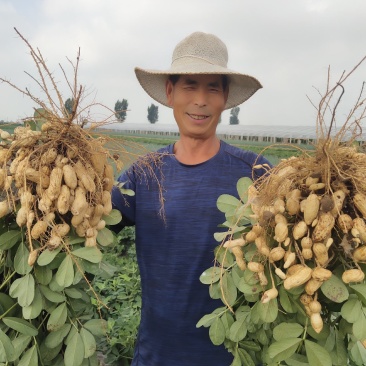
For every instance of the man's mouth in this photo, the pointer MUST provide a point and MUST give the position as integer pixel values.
(198, 117)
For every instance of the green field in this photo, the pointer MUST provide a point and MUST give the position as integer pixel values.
(274, 153)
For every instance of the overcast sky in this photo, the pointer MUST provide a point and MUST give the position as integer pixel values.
(287, 45)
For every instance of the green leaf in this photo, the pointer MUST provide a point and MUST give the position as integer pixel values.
(54, 286)
(329, 343)
(359, 326)
(47, 256)
(317, 355)
(50, 295)
(126, 191)
(249, 289)
(244, 212)
(65, 273)
(30, 357)
(297, 360)
(57, 318)
(285, 301)
(268, 312)
(9, 239)
(227, 203)
(251, 278)
(227, 320)
(75, 239)
(206, 320)
(8, 346)
(43, 274)
(34, 309)
(211, 275)
(215, 290)
(105, 237)
(20, 344)
(93, 360)
(73, 293)
(242, 187)
(358, 354)
(56, 338)
(98, 327)
(242, 311)
(322, 336)
(59, 361)
(74, 353)
(335, 290)
(351, 310)
(21, 326)
(217, 332)
(339, 355)
(223, 256)
(360, 290)
(51, 354)
(6, 303)
(237, 359)
(236, 274)
(106, 270)
(21, 265)
(71, 334)
(345, 327)
(250, 346)
(254, 313)
(113, 218)
(228, 289)
(220, 236)
(23, 289)
(90, 344)
(91, 254)
(287, 330)
(245, 357)
(281, 350)
(238, 330)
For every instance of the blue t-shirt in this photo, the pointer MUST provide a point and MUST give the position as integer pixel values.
(174, 247)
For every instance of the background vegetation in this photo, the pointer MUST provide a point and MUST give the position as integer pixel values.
(122, 296)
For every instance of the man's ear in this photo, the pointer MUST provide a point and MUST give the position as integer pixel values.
(169, 91)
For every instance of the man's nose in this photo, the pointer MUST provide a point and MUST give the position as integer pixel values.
(201, 97)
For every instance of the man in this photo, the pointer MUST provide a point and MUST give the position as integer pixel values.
(174, 207)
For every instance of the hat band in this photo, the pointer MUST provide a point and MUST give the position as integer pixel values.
(183, 60)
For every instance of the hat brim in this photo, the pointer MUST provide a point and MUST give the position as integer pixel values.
(241, 86)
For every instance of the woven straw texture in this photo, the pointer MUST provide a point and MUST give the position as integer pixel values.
(199, 53)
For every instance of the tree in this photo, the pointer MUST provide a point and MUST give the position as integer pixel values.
(234, 120)
(121, 109)
(153, 113)
(69, 104)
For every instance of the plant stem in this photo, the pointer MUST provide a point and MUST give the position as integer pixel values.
(7, 280)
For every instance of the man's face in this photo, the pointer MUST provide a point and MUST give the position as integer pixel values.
(197, 102)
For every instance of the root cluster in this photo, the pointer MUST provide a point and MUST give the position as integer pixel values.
(310, 214)
(55, 178)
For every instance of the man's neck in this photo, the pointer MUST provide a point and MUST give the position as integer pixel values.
(193, 151)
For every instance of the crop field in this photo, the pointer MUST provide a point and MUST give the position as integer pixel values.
(137, 145)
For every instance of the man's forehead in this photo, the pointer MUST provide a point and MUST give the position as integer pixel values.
(208, 78)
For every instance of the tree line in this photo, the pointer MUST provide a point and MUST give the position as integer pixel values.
(121, 109)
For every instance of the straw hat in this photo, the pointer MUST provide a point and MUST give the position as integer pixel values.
(199, 53)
